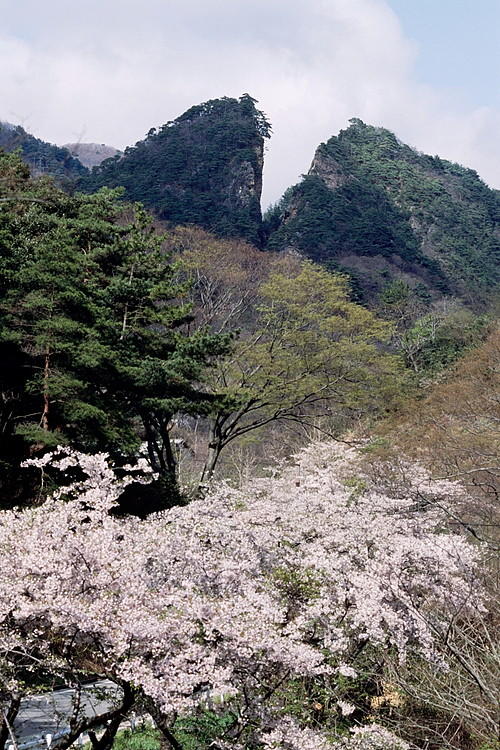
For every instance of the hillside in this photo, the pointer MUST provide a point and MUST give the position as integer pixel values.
(42, 157)
(204, 168)
(378, 209)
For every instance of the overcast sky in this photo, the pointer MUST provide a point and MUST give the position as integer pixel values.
(109, 70)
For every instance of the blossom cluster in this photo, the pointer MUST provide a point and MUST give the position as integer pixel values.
(283, 576)
(369, 737)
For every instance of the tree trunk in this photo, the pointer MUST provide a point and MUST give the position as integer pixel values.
(111, 720)
(214, 450)
(167, 448)
(106, 741)
(44, 421)
(167, 740)
(215, 446)
(7, 720)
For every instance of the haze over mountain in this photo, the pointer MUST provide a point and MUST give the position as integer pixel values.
(43, 157)
(69, 161)
(91, 154)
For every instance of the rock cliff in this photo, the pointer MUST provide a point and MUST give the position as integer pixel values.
(204, 168)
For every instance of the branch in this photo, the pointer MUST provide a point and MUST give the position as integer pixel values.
(24, 200)
(88, 723)
(163, 724)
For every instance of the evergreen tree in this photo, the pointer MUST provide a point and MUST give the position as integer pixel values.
(92, 321)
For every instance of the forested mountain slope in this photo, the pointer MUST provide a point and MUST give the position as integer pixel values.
(380, 210)
(370, 206)
(204, 168)
(42, 157)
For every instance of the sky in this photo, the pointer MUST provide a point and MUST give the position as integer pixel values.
(107, 71)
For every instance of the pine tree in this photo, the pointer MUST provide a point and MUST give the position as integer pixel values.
(92, 315)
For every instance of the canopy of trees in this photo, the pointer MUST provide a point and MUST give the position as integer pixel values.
(90, 326)
(310, 354)
(305, 354)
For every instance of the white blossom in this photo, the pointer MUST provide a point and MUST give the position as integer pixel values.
(197, 595)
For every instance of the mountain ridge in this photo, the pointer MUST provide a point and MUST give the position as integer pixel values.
(370, 206)
(203, 168)
(91, 154)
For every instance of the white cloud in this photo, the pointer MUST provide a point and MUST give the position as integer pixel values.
(119, 67)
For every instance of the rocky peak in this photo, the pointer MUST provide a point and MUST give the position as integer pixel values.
(377, 209)
(203, 168)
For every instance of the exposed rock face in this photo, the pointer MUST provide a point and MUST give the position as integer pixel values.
(42, 157)
(91, 154)
(328, 169)
(204, 168)
(245, 181)
(379, 210)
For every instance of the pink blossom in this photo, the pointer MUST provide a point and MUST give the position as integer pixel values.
(282, 577)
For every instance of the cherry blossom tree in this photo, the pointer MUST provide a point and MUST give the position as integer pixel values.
(224, 600)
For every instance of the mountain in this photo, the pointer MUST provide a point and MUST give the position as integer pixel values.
(369, 206)
(204, 168)
(43, 157)
(379, 210)
(91, 154)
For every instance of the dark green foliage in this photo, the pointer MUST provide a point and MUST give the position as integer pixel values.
(271, 219)
(396, 293)
(43, 157)
(354, 218)
(204, 168)
(92, 326)
(369, 195)
(434, 343)
(145, 738)
(430, 335)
